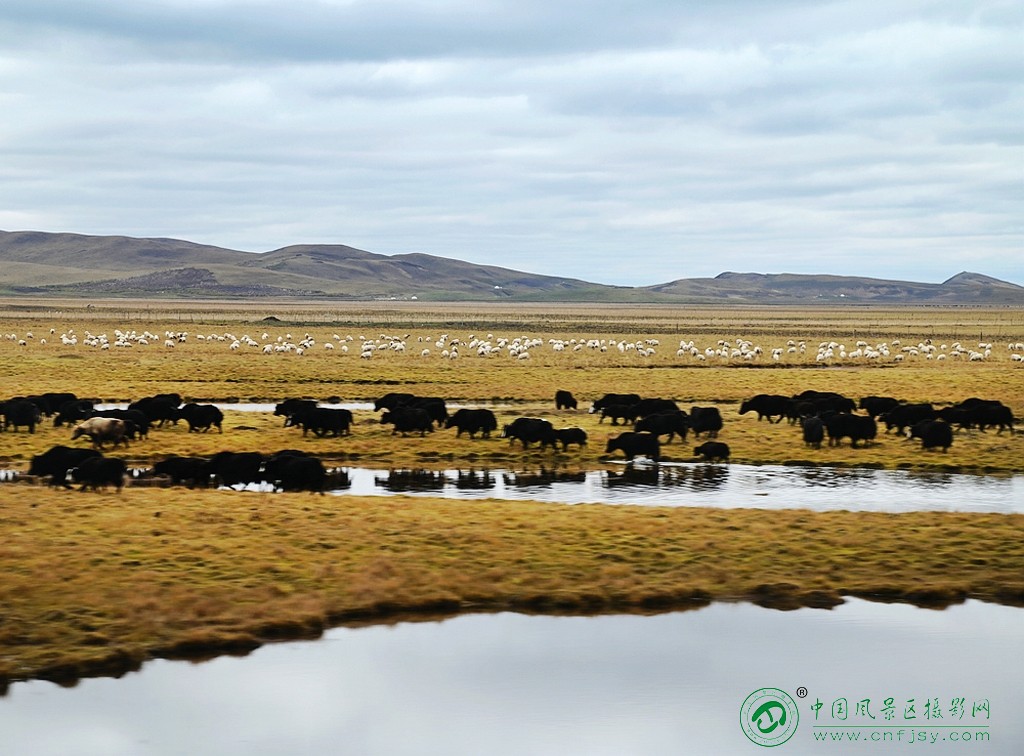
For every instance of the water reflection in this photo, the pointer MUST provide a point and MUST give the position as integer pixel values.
(337, 479)
(707, 485)
(632, 476)
(474, 480)
(510, 684)
(542, 477)
(700, 477)
(690, 485)
(404, 481)
(834, 477)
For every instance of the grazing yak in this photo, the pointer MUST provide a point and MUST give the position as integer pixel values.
(473, 421)
(202, 417)
(74, 411)
(51, 402)
(933, 434)
(564, 400)
(529, 430)
(712, 451)
(100, 472)
(392, 400)
(826, 401)
(137, 422)
(813, 430)
(20, 413)
(627, 400)
(323, 421)
(101, 430)
(903, 416)
(228, 468)
(855, 427)
(408, 420)
(653, 406)
(159, 409)
(979, 413)
(290, 407)
(961, 418)
(434, 406)
(634, 444)
(799, 409)
(566, 436)
(57, 461)
(877, 405)
(767, 406)
(616, 412)
(295, 471)
(193, 471)
(665, 424)
(705, 420)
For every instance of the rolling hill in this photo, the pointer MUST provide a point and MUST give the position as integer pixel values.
(61, 264)
(963, 288)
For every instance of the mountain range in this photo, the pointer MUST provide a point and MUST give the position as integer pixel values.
(62, 264)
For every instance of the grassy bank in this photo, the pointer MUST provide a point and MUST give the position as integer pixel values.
(203, 365)
(372, 444)
(96, 584)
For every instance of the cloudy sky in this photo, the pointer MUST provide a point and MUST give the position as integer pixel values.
(619, 141)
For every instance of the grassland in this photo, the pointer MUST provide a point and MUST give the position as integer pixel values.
(203, 367)
(97, 583)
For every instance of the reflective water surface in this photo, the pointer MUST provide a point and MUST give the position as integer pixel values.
(682, 484)
(616, 684)
(674, 484)
(515, 684)
(709, 485)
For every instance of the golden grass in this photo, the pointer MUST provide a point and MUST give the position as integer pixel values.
(98, 583)
(372, 444)
(209, 370)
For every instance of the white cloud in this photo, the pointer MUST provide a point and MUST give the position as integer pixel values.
(570, 139)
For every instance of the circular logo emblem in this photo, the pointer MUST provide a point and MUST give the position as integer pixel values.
(769, 717)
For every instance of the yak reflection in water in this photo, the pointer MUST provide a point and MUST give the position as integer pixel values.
(412, 480)
(543, 477)
(422, 480)
(337, 479)
(695, 478)
(835, 477)
(824, 488)
(474, 480)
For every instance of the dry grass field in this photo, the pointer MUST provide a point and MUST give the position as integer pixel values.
(225, 353)
(95, 583)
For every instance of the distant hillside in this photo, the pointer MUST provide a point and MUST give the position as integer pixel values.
(72, 264)
(963, 288)
(44, 264)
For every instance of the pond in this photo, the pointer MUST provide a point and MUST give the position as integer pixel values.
(709, 485)
(612, 684)
(671, 484)
(820, 488)
(515, 684)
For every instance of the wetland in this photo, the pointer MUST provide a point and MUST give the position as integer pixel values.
(100, 583)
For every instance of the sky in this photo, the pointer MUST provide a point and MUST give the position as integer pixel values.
(628, 142)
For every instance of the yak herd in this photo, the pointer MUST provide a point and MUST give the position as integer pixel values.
(819, 415)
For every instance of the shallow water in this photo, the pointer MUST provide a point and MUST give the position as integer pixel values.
(515, 684)
(820, 489)
(710, 485)
(619, 684)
